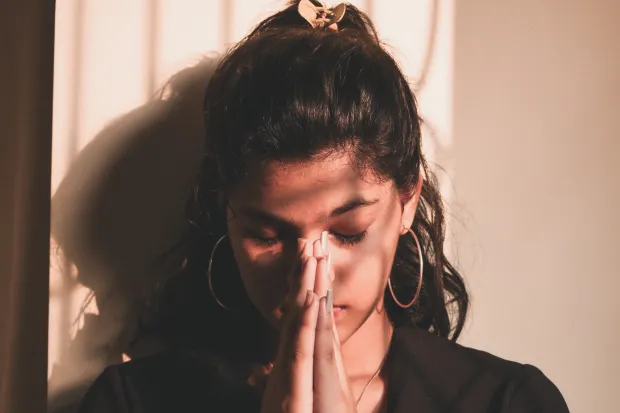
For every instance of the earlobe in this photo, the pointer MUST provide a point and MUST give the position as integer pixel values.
(411, 205)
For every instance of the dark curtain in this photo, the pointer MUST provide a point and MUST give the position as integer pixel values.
(26, 77)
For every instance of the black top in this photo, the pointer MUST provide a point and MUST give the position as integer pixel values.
(425, 374)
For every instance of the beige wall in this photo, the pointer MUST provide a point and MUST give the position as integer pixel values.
(519, 99)
(536, 144)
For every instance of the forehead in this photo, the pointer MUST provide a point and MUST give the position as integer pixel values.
(307, 187)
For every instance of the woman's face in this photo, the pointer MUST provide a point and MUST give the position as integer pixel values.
(281, 202)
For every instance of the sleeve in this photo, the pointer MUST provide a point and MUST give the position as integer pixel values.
(107, 394)
(535, 393)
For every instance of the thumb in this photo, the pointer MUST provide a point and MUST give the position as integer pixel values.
(342, 372)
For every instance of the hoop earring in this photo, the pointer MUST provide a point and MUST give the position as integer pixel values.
(209, 273)
(419, 289)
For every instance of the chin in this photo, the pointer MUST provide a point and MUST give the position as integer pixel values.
(346, 323)
(349, 321)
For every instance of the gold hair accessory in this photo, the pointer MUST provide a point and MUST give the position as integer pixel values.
(321, 16)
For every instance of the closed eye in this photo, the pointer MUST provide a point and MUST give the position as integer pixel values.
(350, 239)
(268, 242)
(343, 239)
(262, 237)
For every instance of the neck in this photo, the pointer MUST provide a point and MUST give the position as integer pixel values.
(363, 353)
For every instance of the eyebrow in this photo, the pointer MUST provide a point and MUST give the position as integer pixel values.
(260, 215)
(351, 205)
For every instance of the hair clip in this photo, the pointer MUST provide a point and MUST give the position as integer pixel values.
(321, 16)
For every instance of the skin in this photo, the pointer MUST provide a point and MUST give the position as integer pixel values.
(280, 203)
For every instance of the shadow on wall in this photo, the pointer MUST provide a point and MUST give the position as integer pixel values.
(119, 208)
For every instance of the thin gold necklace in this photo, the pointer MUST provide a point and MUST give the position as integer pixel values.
(374, 376)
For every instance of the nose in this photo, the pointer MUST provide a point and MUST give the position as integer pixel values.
(312, 235)
(323, 241)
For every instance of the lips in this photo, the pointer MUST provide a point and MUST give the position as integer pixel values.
(338, 311)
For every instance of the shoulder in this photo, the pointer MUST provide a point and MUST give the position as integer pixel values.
(456, 377)
(533, 391)
(163, 383)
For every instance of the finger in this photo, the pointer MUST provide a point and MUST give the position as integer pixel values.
(301, 245)
(322, 281)
(317, 249)
(342, 372)
(302, 357)
(306, 279)
(294, 318)
(326, 381)
(324, 243)
(327, 252)
(293, 277)
(294, 305)
(294, 361)
(308, 249)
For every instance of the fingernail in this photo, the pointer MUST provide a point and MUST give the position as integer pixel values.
(324, 245)
(329, 261)
(329, 304)
(309, 298)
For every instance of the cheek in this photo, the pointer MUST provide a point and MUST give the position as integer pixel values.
(362, 271)
(249, 256)
(261, 270)
(370, 263)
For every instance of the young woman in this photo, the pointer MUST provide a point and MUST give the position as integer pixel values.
(314, 278)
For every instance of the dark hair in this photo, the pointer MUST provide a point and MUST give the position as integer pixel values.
(291, 92)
